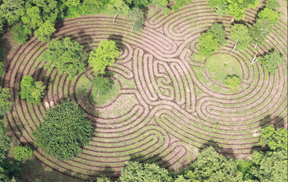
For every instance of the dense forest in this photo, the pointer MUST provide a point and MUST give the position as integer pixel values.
(65, 129)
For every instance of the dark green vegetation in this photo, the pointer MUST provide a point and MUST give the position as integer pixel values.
(271, 60)
(32, 91)
(64, 130)
(5, 103)
(66, 55)
(232, 81)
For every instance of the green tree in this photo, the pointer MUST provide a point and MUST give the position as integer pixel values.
(160, 3)
(104, 55)
(103, 179)
(66, 55)
(135, 171)
(271, 15)
(260, 30)
(72, 2)
(218, 33)
(118, 7)
(236, 8)
(219, 6)
(240, 34)
(232, 81)
(22, 152)
(45, 31)
(136, 15)
(32, 91)
(2, 71)
(180, 3)
(5, 104)
(272, 4)
(4, 144)
(32, 19)
(274, 139)
(19, 33)
(207, 44)
(12, 10)
(64, 131)
(271, 60)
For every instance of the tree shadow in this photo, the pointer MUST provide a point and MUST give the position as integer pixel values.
(227, 152)
(83, 37)
(58, 25)
(108, 172)
(145, 11)
(5, 48)
(118, 39)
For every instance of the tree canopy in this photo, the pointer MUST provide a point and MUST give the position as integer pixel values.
(118, 7)
(271, 15)
(240, 33)
(64, 131)
(260, 30)
(45, 31)
(5, 103)
(66, 55)
(32, 91)
(135, 171)
(104, 55)
(271, 60)
(136, 15)
(232, 81)
(274, 139)
(272, 4)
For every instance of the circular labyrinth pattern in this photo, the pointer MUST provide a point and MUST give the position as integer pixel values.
(167, 107)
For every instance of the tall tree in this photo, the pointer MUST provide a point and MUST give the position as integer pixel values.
(32, 91)
(5, 103)
(160, 3)
(260, 30)
(32, 19)
(136, 15)
(104, 55)
(118, 7)
(220, 6)
(207, 44)
(64, 131)
(272, 4)
(271, 15)
(219, 33)
(240, 35)
(12, 10)
(274, 139)
(66, 55)
(20, 34)
(271, 60)
(135, 171)
(45, 31)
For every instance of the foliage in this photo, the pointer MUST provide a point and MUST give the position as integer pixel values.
(274, 139)
(240, 33)
(244, 166)
(4, 143)
(167, 11)
(19, 33)
(64, 131)
(72, 2)
(22, 152)
(66, 55)
(32, 19)
(31, 90)
(180, 3)
(218, 33)
(12, 10)
(210, 166)
(104, 55)
(271, 60)
(118, 7)
(2, 71)
(220, 6)
(103, 179)
(236, 8)
(136, 15)
(207, 44)
(5, 104)
(45, 31)
(141, 3)
(101, 84)
(135, 171)
(260, 30)
(160, 3)
(232, 81)
(272, 4)
(271, 15)
(271, 166)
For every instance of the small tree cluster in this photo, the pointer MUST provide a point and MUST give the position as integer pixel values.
(232, 81)
(32, 91)
(240, 34)
(66, 55)
(271, 60)
(22, 152)
(136, 15)
(64, 131)
(211, 40)
(104, 55)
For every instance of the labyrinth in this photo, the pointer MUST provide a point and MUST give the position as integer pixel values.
(168, 105)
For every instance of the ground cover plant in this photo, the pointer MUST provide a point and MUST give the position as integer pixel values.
(160, 106)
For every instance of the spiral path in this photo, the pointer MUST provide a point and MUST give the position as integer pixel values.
(164, 112)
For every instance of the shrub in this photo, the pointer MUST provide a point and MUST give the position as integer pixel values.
(232, 81)
(19, 33)
(22, 152)
(64, 131)
(32, 91)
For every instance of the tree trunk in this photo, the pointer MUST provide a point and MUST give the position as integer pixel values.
(254, 59)
(255, 46)
(232, 19)
(115, 17)
(234, 46)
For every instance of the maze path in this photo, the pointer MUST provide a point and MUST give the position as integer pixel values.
(169, 112)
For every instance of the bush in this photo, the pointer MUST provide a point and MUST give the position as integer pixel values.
(32, 91)
(232, 81)
(19, 33)
(22, 152)
(5, 104)
(64, 131)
